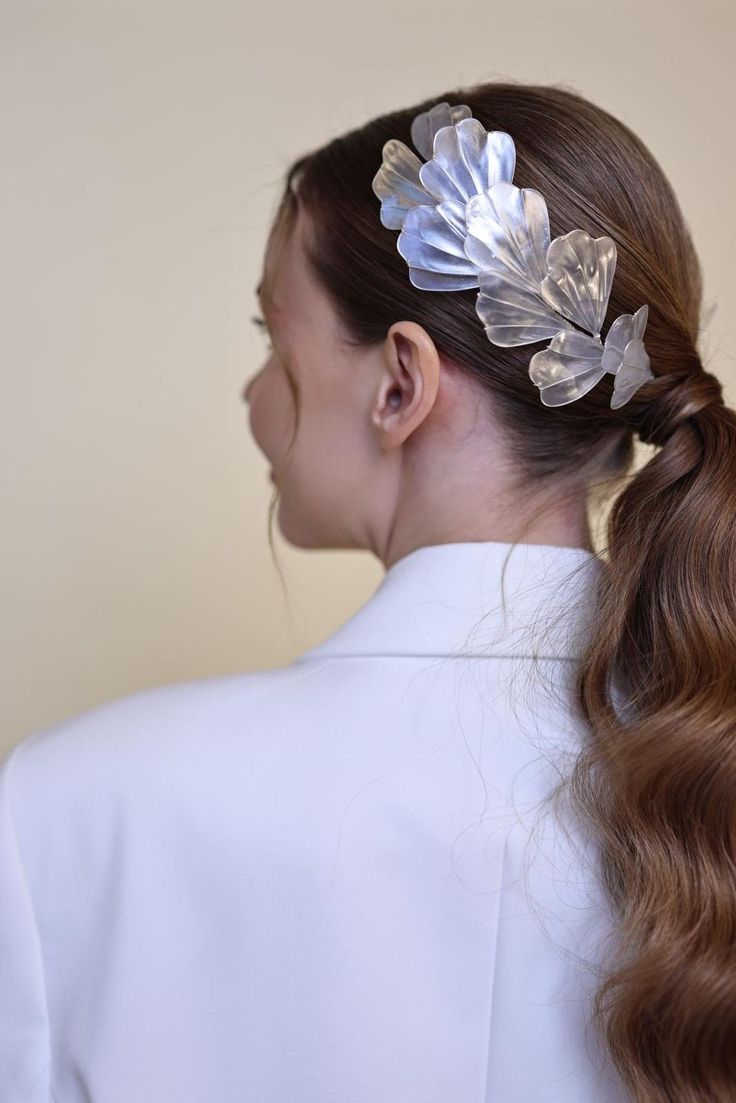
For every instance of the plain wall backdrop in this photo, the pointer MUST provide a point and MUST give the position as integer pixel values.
(143, 146)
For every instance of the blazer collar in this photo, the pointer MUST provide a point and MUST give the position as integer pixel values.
(474, 598)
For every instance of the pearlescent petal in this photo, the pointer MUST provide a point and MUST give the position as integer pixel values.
(634, 373)
(511, 313)
(429, 280)
(453, 212)
(568, 368)
(501, 158)
(467, 160)
(624, 329)
(426, 125)
(508, 233)
(397, 184)
(580, 272)
(565, 391)
(618, 337)
(620, 332)
(431, 243)
(625, 341)
(641, 317)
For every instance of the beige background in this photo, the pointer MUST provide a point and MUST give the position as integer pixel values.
(142, 150)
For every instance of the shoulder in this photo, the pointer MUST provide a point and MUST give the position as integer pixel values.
(126, 740)
(110, 788)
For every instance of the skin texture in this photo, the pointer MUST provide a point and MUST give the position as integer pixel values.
(396, 447)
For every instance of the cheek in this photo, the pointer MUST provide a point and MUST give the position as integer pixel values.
(331, 458)
(272, 412)
(331, 451)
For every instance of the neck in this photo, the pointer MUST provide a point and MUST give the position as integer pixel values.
(563, 524)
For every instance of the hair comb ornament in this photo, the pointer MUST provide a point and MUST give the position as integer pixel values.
(464, 224)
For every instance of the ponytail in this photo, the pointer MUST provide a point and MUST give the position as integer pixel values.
(657, 686)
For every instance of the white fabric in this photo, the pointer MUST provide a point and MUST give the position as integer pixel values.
(308, 884)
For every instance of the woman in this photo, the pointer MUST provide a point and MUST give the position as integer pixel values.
(478, 845)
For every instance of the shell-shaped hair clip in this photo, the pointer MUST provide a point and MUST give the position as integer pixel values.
(465, 224)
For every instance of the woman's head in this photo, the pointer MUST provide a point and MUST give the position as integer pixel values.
(475, 446)
(391, 421)
(395, 445)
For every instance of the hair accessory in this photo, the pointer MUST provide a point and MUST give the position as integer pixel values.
(464, 224)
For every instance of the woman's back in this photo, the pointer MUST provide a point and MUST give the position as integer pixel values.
(317, 883)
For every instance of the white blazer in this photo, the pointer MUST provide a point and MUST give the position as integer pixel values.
(307, 884)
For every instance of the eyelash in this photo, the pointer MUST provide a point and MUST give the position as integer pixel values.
(262, 325)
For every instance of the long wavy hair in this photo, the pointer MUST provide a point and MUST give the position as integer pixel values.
(656, 780)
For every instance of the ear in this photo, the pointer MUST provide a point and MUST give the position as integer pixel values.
(409, 382)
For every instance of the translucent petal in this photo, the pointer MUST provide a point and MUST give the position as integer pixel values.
(625, 328)
(511, 313)
(508, 233)
(426, 125)
(431, 280)
(397, 184)
(568, 368)
(468, 159)
(442, 226)
(432, 242)
(641, 317)
(626, 356)
(453, 212)
(580, 272)
(634, 372)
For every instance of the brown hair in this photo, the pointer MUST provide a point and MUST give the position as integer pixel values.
(657, 778)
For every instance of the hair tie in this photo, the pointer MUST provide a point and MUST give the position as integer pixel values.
(665, 413)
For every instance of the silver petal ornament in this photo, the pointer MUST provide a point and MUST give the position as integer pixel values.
(513, 314)
(568, 368)
(579, 276)
(508, 233)
(397, 184)
(426, 125)
(464, 159)
(455, 170)
(508, 239)
(465, 224)
(431, 242)
(467, 159)
(626, 357)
